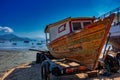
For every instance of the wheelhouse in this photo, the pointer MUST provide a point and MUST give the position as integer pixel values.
(66, 26)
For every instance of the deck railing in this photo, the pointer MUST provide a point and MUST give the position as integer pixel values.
(117, 14)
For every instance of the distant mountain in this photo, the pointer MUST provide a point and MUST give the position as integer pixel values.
(12, 37)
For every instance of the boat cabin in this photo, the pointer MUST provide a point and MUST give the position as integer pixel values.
(66, 26)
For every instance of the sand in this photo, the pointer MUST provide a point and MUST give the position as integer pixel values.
(12, 58)
(32, 71)
(23, 72)
(20, 65)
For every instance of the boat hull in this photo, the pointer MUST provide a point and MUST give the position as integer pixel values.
(84, 46)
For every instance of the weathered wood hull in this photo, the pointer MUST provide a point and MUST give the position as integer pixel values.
(84, 46)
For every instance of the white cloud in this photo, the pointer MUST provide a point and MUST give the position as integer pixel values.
(6, 29)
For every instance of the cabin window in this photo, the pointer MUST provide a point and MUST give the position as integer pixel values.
(61, 28)
(76, 26)
(86, 23)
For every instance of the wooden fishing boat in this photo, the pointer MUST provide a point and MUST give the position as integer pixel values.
(79, 39)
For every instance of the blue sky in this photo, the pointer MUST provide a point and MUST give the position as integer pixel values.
(28, 18)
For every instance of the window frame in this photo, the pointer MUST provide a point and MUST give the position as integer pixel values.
(62, 26)
(86, 21)
(76, 22)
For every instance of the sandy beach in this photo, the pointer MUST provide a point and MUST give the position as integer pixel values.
(21, 65)
(32, 72)
(12, 58)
